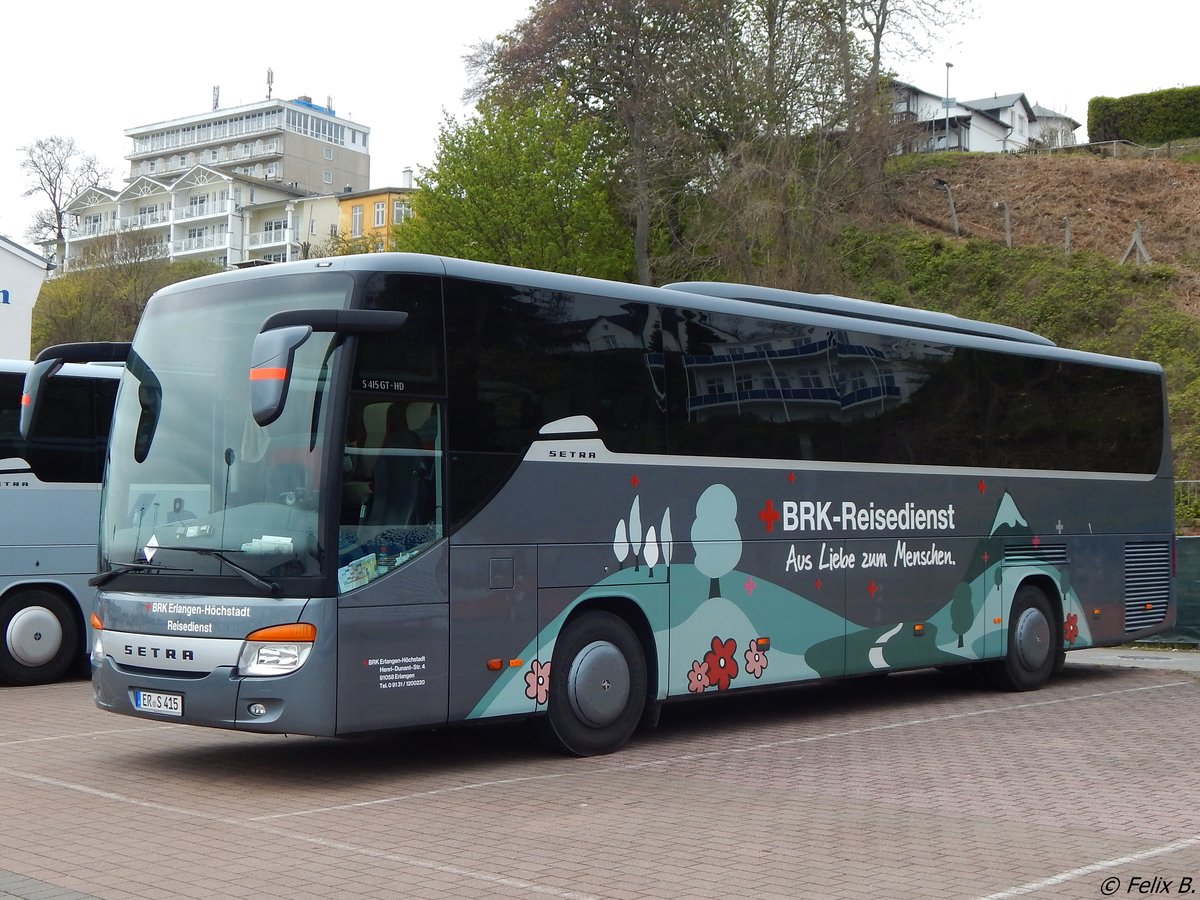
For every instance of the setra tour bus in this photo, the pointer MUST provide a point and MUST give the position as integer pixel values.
(49, 507)
(398, 491)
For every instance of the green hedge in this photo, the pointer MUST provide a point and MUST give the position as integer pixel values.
(1147, 119)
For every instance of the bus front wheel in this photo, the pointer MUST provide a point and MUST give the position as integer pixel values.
(597, 686)
(1032, 648)
(39, 637)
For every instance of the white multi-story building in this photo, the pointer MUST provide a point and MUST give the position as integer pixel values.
(22, 272)
(254, 183)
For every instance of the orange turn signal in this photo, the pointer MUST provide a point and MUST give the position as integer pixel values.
(96, 623)
(300, 631)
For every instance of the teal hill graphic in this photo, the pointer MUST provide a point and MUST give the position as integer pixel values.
(729, 628)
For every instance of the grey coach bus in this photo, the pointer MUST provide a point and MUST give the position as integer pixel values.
(406, 491)
(49, 510)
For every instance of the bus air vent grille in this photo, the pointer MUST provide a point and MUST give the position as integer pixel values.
(1033, 554)
(1147, 583)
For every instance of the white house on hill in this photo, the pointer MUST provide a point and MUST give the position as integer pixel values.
(1053, 129)
(998, 124)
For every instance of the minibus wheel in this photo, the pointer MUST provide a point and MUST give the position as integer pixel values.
(39, 637)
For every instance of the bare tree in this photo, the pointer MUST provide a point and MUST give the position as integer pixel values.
(636, 65)
(59, 171)
(776, 196)
(102, 296)
(902, 28)
(740, 131)
(906, 26)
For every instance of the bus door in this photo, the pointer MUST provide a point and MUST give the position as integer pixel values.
(393, 568)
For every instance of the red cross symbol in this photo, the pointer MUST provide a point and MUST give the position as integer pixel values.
(817, 584)
(872, 588)
(634, 481)
(1036, 541)
(791, 476)
(982, 486)
(985, 557)
(769, 515)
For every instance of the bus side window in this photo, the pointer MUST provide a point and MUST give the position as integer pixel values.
(391, 482)
(398, 473)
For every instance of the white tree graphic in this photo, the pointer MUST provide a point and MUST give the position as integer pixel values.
(635, 532)
(651, 550)
(665, 536)
(621, 543)
(715, 535)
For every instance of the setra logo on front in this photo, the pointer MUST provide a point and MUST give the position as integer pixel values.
(158, 652)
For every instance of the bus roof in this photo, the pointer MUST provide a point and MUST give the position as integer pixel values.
(84, 370)
(736, 299)
(828, 304)
(858, 309)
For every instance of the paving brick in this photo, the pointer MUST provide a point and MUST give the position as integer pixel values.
(909, 787)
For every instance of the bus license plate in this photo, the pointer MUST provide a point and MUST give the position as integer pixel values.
(158, 703)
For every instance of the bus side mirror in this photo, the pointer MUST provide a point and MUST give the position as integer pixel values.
(35, 380)
(50, 360)
(275, 346)
(150, 400)
(271, 361)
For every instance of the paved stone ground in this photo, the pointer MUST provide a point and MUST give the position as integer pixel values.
(914, 786)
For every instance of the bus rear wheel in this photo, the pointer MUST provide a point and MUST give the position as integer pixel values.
(39, 637)
(1032, 650)
(597, 686)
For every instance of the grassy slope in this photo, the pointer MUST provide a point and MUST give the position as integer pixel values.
(1086, 299)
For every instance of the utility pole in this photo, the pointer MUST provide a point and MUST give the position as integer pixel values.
(947, 103)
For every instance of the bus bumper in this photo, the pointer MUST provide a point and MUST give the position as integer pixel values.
(299, 703)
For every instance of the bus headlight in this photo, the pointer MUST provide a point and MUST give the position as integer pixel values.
(278, 650)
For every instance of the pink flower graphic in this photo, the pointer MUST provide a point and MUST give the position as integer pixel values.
(1071, 628)
(537, 682)
(698, 677)
(722, 667)
(756, 660)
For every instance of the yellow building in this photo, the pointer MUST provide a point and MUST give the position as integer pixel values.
(366, 218)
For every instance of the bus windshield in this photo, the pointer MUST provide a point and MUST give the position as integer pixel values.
(194, 485)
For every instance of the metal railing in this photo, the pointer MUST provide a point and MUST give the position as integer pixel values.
(264, 238)
(1187, 495)
(1127, 149)
(207, 242)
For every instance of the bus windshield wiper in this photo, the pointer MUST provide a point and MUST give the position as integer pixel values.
(269, 586)
(125, 568)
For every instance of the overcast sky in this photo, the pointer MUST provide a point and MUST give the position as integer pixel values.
(395, 67)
